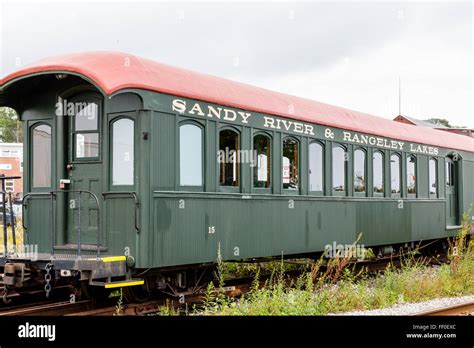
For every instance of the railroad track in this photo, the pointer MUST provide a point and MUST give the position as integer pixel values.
(109, 308)
(234, 288)
(152, 307)
(466, 308)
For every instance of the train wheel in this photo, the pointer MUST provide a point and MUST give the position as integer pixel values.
(96, 293)
(136, 294)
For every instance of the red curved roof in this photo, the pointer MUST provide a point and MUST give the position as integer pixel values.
(113, 71)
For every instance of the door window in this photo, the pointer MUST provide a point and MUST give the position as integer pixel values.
(123, 152)
(41, 146)
(190, 155)
(85, 134)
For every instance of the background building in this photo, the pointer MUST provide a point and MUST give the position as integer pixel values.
(11, 164)
(427, 123)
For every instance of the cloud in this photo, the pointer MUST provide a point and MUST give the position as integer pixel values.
(349, 54)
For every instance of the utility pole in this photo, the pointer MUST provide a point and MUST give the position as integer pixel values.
(399, 95)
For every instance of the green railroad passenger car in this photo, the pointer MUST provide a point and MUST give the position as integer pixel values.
(137, 173)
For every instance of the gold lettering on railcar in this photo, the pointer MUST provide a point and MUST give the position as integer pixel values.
(371, 140)
(287, 125)
(204, 110)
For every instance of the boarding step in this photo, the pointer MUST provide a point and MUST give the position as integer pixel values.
(118, 284)
(98, 267)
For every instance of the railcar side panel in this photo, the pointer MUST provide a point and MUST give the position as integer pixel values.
(190, 227)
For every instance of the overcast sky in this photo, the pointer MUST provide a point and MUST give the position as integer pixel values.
(346, 54)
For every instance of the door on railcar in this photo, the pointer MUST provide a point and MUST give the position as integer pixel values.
(121, 201)
(452, 209)
(84, 166)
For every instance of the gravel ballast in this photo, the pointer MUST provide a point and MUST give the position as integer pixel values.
(413, 308)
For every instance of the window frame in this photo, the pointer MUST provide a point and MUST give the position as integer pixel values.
(224, 188)
(378, 194)
(298, 189)
(450, 170)
(400, 175)
(365, 152)
(323, 168)
(74, 132)
(411, 195)
(111, 152)
(32, 127)
(346, 170)
(436, 176)
(270, 188)
(197, 188)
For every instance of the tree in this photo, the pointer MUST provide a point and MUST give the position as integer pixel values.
(441, 121)
(10, 126)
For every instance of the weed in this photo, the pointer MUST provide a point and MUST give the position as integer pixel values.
(119, 305)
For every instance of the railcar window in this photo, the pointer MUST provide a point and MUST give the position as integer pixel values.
(316, 166)
(86, 118)
(41, 156)
(229, 158)
(359, 171)
(87, 145)
(339, 169)
(290, 163)
(262, 169)
(411, 175)
(395, 174)
(86, 137)
(123, 152)
(449, 173)
(190, 155)
(378, 172)
(433, 177)
(448, 176)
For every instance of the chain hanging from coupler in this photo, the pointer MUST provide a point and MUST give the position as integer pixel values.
(47, 279)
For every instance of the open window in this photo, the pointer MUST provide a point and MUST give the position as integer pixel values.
(262, 169)
(411, 176)
(290, 164)
(229, 158)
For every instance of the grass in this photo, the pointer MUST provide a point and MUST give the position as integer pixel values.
(18, 236)
(337, 288)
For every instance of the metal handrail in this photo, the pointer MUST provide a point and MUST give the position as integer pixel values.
(52, 195)
(135, 198)
(3, 192)
(12, 220)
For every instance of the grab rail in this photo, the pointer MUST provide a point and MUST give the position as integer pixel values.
(52, 195)
(3, 192)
